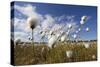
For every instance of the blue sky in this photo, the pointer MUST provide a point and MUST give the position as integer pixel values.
(57, 14)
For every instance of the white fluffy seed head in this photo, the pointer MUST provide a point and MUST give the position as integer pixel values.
(32, 22)
(29, 38)
(58, 34)
(83, 18)
(69, 26)
(63, 38)
(82, 22)
(74, 36)
(67, 33)
(51, 32)
(93, 56)
(49, 36)
(86, 45)
(79, 29)
(87, 29)
(42, 33)
(69, 53)
(42, 49)
(52, 40)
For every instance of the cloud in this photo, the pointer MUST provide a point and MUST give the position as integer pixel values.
(70, 18)
(27, 10)
(46, 22)
(20, 24)
(20, 35)
(21, 30)
(57, 27)
(63, 18)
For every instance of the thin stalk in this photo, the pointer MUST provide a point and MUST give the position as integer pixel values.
(33, 42)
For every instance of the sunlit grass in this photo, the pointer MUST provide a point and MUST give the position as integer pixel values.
(35, 55)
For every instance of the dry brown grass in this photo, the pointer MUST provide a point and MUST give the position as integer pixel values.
(24, 55)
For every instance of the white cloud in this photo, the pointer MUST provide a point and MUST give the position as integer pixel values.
(20, 35)
(57, 27)
(65, 17)
(70, 18)
(21, 30)
(27, 10)
(46, 22)
(61, 17)
(20, 24)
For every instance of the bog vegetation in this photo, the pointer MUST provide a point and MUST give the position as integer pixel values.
(60, 47)
(63, 52)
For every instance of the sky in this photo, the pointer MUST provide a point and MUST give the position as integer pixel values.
(52, 17)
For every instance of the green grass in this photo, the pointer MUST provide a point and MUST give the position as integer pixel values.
(29, 55)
